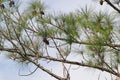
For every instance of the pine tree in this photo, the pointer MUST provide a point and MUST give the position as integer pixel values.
(36, 36)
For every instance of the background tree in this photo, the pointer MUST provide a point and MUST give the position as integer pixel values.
(36, 36)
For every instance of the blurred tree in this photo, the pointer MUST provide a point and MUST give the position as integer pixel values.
(33, 33)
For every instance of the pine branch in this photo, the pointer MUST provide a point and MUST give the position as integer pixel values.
(79, 64)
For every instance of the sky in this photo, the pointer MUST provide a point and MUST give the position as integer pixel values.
(9, 69)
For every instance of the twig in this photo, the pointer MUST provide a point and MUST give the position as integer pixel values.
(114, 7)
(29, 73)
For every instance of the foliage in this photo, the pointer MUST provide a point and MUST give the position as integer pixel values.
(33, 33)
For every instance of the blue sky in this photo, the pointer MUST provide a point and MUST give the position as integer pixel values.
(9, 69)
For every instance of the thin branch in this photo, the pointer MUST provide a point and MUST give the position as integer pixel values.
(88, 43)
(80, 64)
(16, 47)
(29, 73)
(58, 49)
(7, 49)
(83, 42)
(46, 70)
(114, 7)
